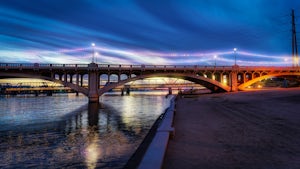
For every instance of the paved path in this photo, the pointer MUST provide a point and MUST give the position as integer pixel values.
(238, 130)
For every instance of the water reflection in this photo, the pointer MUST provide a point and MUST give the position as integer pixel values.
(93, 114)
(103, 138)
(92, 151)
(77, 135)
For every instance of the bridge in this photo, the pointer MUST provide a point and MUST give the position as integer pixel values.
(215, 78)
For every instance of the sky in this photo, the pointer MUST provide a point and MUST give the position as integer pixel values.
(161, 32)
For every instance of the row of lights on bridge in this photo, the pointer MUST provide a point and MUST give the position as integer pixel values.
(95, 54)
(235, 53)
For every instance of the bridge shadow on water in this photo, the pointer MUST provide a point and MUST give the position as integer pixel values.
(100, 118)
(91, 136)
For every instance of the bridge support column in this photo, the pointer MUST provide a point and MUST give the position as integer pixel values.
(234, 78)
(71, 78)
(65, 77)
(119, 78)
(244, 77)
(108, 77)
(77, 82)
(93, 83)
(170, 90)
(52, 75)
(81, 80)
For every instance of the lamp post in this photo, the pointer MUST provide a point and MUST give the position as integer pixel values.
(285, 61)
(296, 61)
(93, 45)
(96, 54)
(215, 57)
(234, 50)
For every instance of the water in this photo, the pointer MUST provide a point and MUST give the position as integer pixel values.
(63, 131)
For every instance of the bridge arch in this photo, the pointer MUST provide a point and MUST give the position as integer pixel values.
(213, 85)
(66, 84)
(256, 79)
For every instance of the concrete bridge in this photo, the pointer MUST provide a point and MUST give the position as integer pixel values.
(215, 78)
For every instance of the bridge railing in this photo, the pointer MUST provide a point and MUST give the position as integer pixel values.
(112, 66)
(37, 65)
(140, 67)
(186, 67)
(16, 65)
(267, 68)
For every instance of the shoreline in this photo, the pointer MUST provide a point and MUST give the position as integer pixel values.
(141, 155)
(250, 129)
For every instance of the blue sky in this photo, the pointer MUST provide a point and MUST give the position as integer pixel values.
(185, 32)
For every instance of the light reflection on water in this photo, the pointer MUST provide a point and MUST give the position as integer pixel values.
(63, 131)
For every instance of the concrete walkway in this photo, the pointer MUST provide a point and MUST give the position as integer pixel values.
(238, 130)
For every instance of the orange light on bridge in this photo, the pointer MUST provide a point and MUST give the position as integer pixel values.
(296, 61)
(224, 80)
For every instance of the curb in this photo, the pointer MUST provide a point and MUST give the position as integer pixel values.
(154, 156)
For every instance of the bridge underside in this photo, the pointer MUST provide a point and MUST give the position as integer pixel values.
(213, 85)
(93, 91)
(37, 76)
(271, 75)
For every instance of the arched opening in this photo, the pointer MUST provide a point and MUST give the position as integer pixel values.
(103, 80)
(216, 76)
(208, 75)
(240, 77)
(113, 78)
(225, 79)
(263, 73)
(84, 80)
(74, 78)
(123, 76)
(248, 76)
(200, 74)
(57, 77)
(66, 78)
(256, 75)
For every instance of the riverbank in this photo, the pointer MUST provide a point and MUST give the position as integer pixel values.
(255, 129)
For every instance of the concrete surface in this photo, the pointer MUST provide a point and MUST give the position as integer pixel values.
(247, 130)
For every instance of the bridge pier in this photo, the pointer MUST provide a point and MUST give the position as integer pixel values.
(170, 90)
(234, 78)
(93, 83)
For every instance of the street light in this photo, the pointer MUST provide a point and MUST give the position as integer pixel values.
(234, 50)
(93, 45)
(296, 61)
(215, 56)
(285, 61)
(96, 54)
